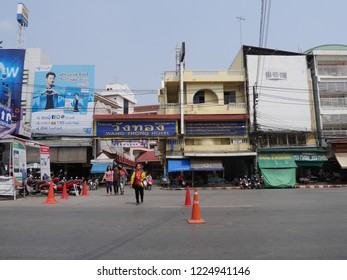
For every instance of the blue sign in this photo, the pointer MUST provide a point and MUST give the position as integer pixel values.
(11, 76)
(5, 116)
(131, 129)
(216, 128)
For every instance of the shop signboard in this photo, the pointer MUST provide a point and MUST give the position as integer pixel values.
(217, 128)
(283, 94)
(45, 163)
(130, 143)
(135, 129)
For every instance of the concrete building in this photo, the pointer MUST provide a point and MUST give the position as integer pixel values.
(214, 144)
(282, 116)
(328, 64)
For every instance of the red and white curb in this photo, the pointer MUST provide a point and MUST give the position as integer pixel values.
(319, 186)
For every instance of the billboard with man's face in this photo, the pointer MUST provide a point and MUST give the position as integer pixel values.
(63, 100)
(11, 76)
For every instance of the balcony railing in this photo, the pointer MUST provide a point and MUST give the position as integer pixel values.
(329, 103)
(204, 108)
(334, 133)
(173, 75)
(332, 87)
(332, 70)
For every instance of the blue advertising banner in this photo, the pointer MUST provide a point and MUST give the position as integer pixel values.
(5, 116)
(130, 129)
(11, 76)
(216, 128)
(63, 100)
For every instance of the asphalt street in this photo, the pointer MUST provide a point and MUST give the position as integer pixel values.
(270, 224)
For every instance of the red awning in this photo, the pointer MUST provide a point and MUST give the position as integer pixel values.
(147, 157)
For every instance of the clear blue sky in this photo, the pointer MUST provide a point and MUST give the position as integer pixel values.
(133, 41)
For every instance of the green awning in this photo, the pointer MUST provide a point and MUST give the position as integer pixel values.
(276, 163)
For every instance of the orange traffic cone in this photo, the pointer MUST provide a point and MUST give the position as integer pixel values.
(64, 193)
(50, 199)
(85, 191)
(188, 202)
(196, 218)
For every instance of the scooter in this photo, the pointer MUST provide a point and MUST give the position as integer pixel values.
(93, 184)
(244, 183)
(73, 186)
(34, 187)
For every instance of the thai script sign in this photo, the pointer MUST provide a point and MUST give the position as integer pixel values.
(129, 129)
(216, 128)
(130, 143)
(310, 157)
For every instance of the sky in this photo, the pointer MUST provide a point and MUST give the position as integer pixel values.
(133, 42)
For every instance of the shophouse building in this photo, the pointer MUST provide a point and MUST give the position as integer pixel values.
(328, 65)
(212, 143)
(282, 116)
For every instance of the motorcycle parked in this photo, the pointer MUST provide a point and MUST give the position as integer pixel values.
(73, 186)
(93, 184)
(244, 183)
(36, 186)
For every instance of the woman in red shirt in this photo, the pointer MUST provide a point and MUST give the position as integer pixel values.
(136, 182)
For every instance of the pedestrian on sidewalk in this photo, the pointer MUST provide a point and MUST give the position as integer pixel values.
(108, 177)
(136, 182)
(123, 179)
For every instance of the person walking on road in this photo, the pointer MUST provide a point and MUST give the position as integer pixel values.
(108, 177)
(136, 182)
(123, 174)
(115, 177)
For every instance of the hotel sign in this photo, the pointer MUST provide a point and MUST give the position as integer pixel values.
(130, 129)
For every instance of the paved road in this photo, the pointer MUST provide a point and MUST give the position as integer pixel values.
(240, 224)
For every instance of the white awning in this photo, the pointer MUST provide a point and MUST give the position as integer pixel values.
(342, 159)
(206, 165)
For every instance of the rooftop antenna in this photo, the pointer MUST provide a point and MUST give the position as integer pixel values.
(240, 19)
(22, 18)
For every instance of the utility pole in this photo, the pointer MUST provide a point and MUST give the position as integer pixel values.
(255, 127)
(181, 67)
(240, 19)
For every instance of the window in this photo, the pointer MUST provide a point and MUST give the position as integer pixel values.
(199, 97)
(229, 97)
(291, 139)
(282, 139)
(126, 106)
(302, 139)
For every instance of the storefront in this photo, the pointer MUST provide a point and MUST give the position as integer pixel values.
(277, 170)
(196, 171)
(284, 169)
(15, 153)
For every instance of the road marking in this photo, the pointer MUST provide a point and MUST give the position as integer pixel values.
(209, 206)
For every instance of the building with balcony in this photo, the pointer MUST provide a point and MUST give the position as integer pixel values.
(282, 127)
(328, 64)
(213, 142)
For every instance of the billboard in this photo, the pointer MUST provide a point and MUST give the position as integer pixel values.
(63, 100)
(284, 97)
(11, 76)
(22, 14)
